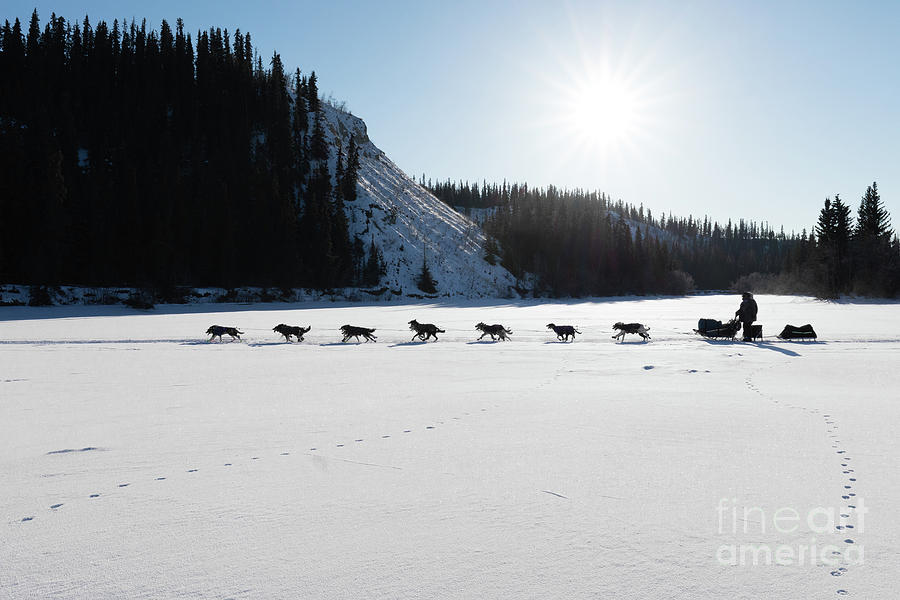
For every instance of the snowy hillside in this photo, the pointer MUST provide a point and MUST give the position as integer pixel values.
(406, 221)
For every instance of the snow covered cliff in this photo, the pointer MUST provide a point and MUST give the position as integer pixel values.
(406, 222)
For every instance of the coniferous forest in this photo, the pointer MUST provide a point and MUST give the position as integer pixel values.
(582, 243)
(135, 157)
(149, 158)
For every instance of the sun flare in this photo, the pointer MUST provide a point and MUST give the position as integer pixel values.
(601, 108)
(600, 113)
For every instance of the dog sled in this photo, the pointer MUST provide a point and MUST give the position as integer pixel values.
(791, 332)
(715, 329)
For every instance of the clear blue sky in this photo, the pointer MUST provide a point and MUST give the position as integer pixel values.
(729, 109)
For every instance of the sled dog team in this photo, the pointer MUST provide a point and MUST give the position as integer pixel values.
(709, 328)
(426, 331)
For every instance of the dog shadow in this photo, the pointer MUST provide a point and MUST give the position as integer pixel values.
(345, 344)
(483, 342)
(400, 344)
(557, 342)
(209, 343)
(275, 343)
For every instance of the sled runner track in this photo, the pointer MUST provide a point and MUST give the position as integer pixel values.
(555, 494)
(57, 342)
(310, 451)
(846, 528)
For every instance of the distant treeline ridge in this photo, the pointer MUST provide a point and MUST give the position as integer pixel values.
(582, 243)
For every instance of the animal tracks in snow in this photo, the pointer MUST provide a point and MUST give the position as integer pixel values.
(849, 475)
(363, 441)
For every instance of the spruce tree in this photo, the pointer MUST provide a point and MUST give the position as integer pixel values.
(349, 177)
(833, 231)
(342, 248)
(374, 269)
(318, 147)
(312, 93)
(359, 255)
(872, 244)
(426, 282)
(873, 220)
(299, 121)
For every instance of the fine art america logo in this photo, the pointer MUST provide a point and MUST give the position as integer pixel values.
(827, 535)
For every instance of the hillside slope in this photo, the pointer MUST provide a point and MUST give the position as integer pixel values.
(406, 222)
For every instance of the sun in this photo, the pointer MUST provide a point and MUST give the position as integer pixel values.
(599, 108)
(600, 112)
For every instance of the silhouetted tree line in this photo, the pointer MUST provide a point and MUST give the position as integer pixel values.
(582, 243)
(861, 257)
(135, 157)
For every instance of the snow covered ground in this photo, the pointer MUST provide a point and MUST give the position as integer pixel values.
(137, 460)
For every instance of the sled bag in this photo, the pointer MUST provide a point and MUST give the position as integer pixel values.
(704, 325)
